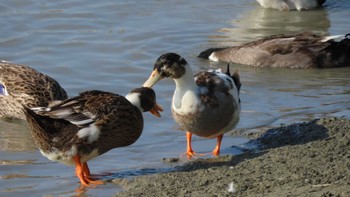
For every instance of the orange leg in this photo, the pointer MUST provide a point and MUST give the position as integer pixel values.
(86, 170)
(216, 151)
(79, 170)
(189, 150)
(82, 170)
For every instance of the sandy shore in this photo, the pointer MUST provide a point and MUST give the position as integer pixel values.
(304, 159)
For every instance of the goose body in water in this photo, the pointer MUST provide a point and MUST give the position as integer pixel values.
(304, 50)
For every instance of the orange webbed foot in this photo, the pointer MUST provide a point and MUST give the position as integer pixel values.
(83, 173)
(216, 151)
(93, 182)
(191, 154)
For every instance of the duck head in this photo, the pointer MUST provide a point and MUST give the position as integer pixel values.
(144, 99)
(169, 65)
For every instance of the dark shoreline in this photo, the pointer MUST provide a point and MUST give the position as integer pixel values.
(302, 159)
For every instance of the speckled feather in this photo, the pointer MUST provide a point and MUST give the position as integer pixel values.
(219, 104)
(119, 122)
(26, 86)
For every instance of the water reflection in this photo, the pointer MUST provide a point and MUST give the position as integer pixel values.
(15, 136)
(260, 22)
(112, 45)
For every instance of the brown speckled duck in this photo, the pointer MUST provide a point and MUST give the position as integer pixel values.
(78, 129)
(304, 50)
(24, 86)
(207, 105)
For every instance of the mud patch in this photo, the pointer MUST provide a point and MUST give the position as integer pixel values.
(306, 159)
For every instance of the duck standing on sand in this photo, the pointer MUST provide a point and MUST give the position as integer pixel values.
(24, 86)
(78, 129)
(291, 4)
(304, 50)
(207, 105)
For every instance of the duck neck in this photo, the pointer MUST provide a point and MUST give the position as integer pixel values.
(134, 99)
(185, 90)
(186, 81)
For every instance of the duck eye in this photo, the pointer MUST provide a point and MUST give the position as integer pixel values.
(158, 68)
(2, 90)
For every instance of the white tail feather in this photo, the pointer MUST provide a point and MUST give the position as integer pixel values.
(335, 37)
(40, 109)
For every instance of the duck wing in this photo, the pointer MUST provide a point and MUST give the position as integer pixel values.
(214, 83)
(71, 110)
(81, 110)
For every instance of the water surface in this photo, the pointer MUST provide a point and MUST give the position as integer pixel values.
(112, 45)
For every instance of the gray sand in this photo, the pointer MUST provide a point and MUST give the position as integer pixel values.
(304, 159)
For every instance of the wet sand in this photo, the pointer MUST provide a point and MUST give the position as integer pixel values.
(302, 159)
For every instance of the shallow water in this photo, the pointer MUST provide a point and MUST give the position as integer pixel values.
(112, 46)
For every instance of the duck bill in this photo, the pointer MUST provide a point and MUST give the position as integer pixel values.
(153, 79)
(156, 110)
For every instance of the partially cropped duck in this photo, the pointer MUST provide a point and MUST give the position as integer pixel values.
(304, 50)
(24, 86)
(207, 105)
(291, 4)
(78, 129)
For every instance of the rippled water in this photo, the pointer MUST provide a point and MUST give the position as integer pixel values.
(112, 45)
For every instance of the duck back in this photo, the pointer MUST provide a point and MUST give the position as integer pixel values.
(25, 86)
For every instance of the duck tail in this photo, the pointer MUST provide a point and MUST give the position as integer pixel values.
(30, 114)
(320, 2)
(205, 54)
(336, 38)
(228, 70)
(337, 54)
(235, 77)
(33, 116)
(40, 123)
(36, 122)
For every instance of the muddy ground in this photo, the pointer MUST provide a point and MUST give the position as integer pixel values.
(303, 159)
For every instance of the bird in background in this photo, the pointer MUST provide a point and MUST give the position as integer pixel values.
(285, 5)
(22, 85)
(303, 50)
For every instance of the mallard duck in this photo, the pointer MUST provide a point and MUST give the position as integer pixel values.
(207, 105)
(78, 129)
(304, 50)
(24, 86)
(291, 4)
